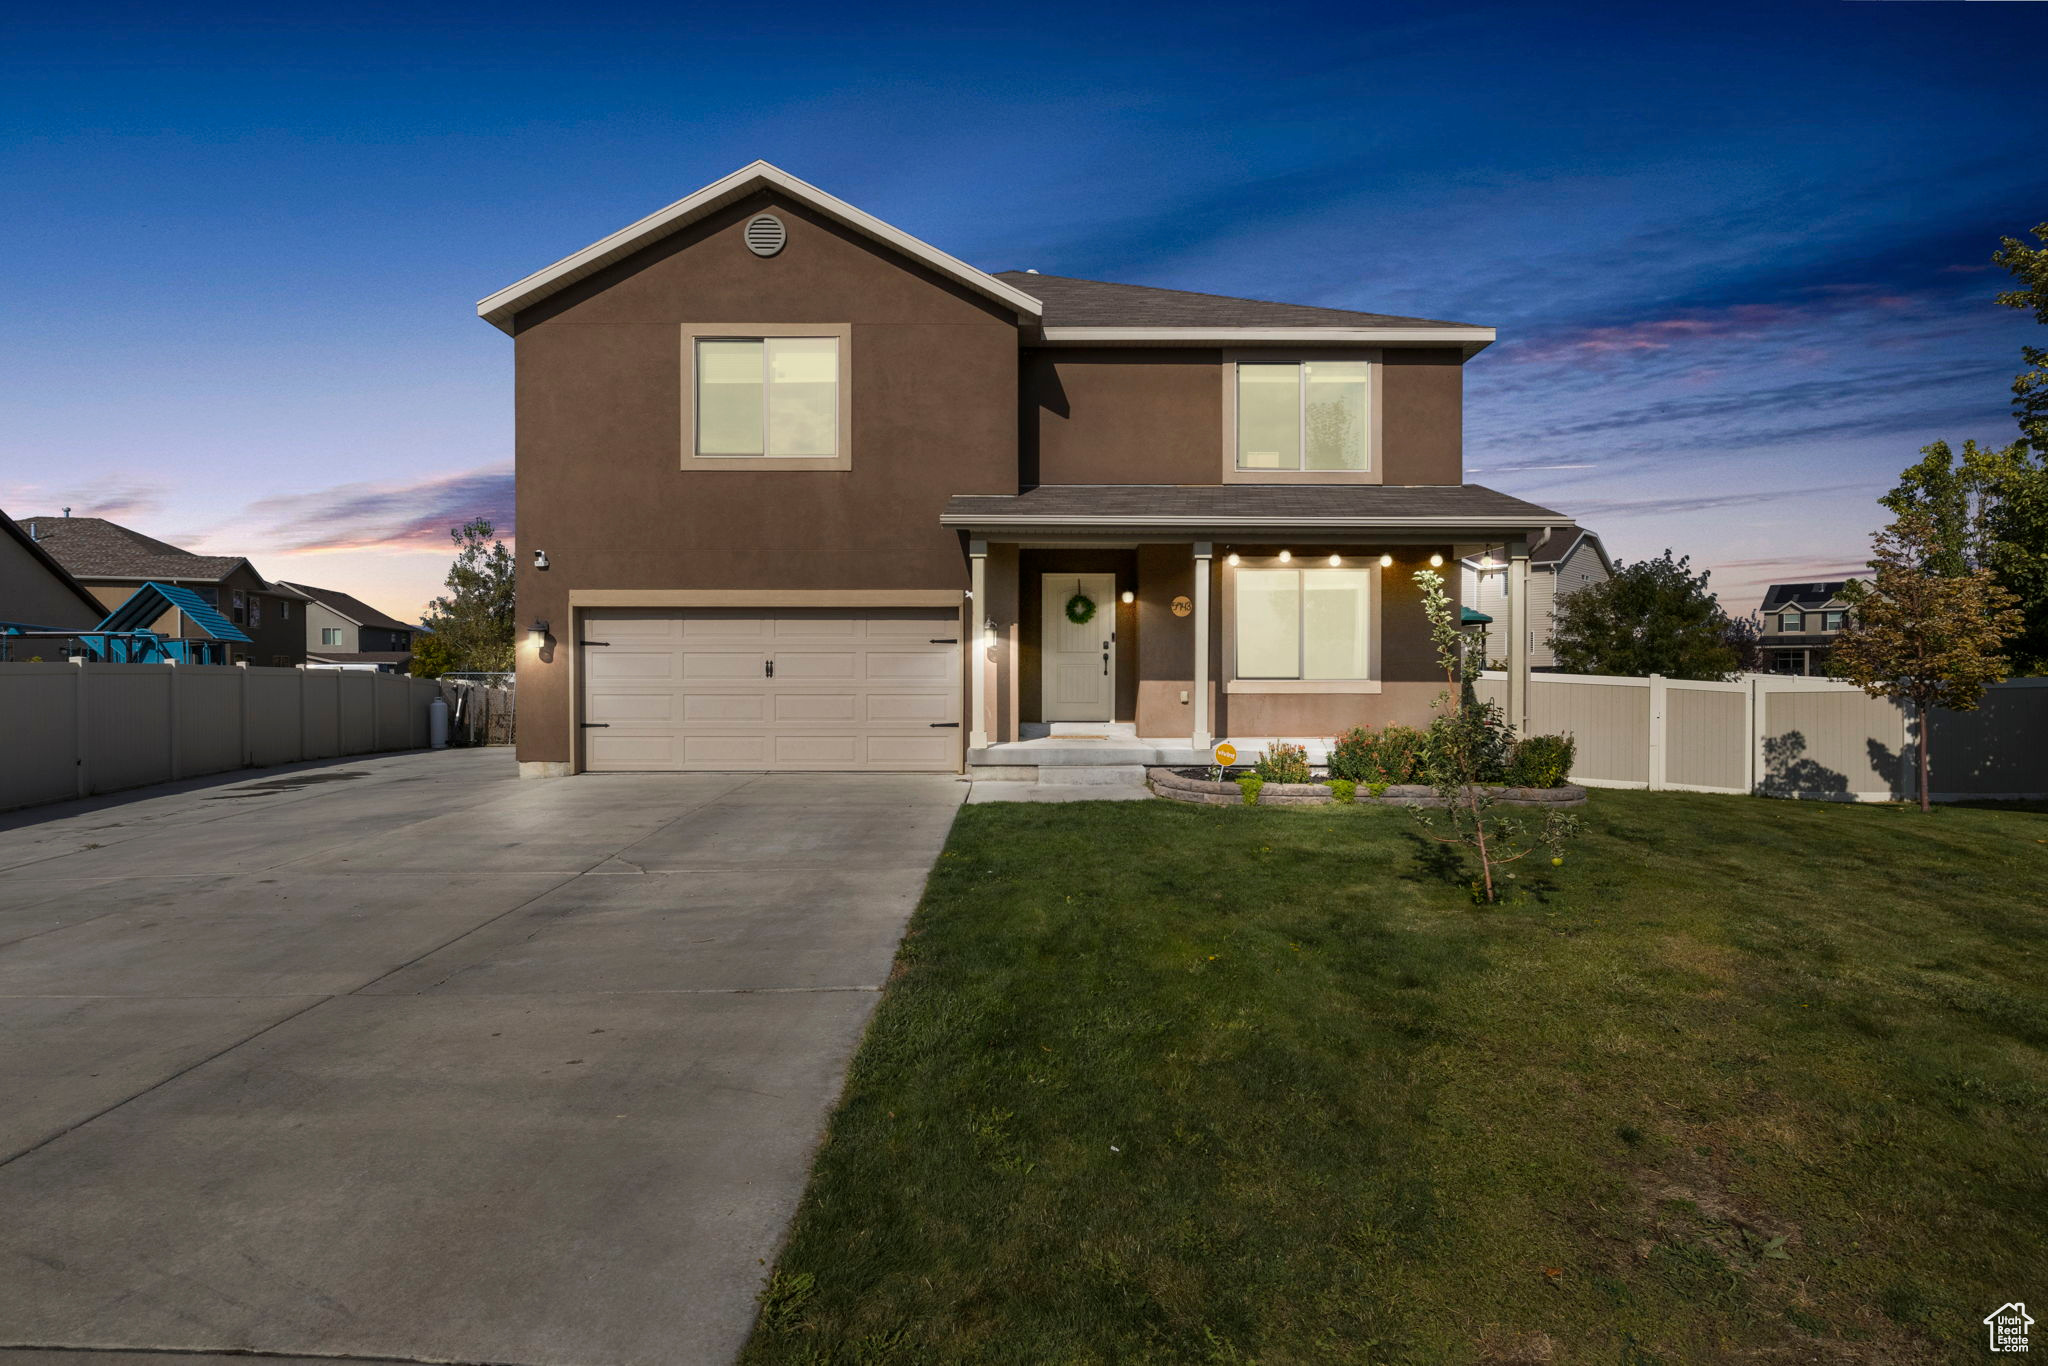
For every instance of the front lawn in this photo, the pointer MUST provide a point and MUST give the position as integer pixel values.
(1744, 1080)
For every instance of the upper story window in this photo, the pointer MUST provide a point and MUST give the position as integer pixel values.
(766, 397)
(1309, 415)
(330, 635)
(1831, 621)
(1791, 621)
(1301, 418)
(1303, 624)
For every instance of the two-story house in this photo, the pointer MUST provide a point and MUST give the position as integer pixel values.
(1800, 623)
(112, 561)
(796, 490)
(343, 631)
(1568, 559)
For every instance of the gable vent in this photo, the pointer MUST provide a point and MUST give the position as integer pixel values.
(765, 234)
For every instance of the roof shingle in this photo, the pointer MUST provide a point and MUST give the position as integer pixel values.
(354, 608)
(93, 547)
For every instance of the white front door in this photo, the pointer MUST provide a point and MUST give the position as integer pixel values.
(1079, 658)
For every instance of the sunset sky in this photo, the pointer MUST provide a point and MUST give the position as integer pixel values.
(1738, 255)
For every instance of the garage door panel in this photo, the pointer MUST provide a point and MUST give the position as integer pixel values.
(614, 708)
(823, 706)
(900, 707)
(851, 690)
(728, 707)
(711, 664)
(892, 666)
(931, 751)
(709, 625)
(800, 665)
(616, 665)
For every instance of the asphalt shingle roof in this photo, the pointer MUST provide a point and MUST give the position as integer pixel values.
(355, 609)
(1222, 504)
(93, 547)
(1098, 303)
(1801, 594)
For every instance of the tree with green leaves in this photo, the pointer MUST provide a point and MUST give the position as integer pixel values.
(431, 656)
(1920, 635)
(2029, 267)
(1652, 617)
(474, 624)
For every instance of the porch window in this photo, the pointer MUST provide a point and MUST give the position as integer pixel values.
(768, 396)
(1303, 415)
(1305, 624)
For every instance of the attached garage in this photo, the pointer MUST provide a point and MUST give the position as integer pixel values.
(830, 689)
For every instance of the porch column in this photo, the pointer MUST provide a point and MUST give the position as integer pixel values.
(1202, 738)
(1519, 624)
(976, 653)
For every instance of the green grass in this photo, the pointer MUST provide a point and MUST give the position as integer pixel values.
(1744, 1081)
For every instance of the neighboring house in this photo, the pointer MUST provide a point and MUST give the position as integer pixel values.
(1801, 621)
(346, 632)
(1560, 564)
(782, 467)
(112, 562)
(38, 592)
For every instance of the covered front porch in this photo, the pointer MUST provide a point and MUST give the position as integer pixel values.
(1127, 626)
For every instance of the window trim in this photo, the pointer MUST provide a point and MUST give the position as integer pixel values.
(1375, 614)
(1374, 360)
(1833, 621)
(692, 333)
(1800, 629)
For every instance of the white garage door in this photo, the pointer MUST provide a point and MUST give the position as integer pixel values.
(820, 689)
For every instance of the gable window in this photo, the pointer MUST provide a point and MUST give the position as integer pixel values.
(330, 635)
(1304, 416)
(1831, 621)
(766, 397)
(1303, 624)
(1791, 621)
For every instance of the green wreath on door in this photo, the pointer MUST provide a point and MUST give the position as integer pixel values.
(1080, 608)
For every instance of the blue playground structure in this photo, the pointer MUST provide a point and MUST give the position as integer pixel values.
(124, 636)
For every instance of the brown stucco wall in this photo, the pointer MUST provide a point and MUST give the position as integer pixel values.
(1122, 417)
(1422, 393)
(1105, 416)
(933, 369)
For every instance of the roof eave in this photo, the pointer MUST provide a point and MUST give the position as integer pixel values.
(1471, 340)
(1192, 525)
(499, 309)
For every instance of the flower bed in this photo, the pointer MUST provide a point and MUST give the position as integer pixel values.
(1177, 785)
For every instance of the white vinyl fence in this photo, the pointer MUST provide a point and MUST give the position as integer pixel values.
(1782, 736)
(72, 730)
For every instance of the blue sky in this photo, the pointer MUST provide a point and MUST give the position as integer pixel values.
(1738, 255)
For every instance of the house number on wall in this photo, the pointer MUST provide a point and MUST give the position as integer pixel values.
(1183, 607)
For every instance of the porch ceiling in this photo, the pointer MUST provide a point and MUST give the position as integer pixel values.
(1158, 511)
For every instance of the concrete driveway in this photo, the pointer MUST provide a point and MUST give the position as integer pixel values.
(403, 1058)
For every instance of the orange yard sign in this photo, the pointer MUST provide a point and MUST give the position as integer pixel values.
(1226, 754)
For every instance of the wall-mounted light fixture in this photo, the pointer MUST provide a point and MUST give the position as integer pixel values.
(1129, 596)
(1386, 561)
(1436, 562)
(540, 559)
(988, 633)
(543, 643)
(1336, 560)
(1231, 559)
(1285, 556)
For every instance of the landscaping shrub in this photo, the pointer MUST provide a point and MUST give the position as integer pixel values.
(1386, 757)
(1475, 739)
(1249, 786)
(1283, 763)
(1343, 791)
(1542, 761)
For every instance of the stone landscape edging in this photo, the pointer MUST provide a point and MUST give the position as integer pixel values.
(1166, 783)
